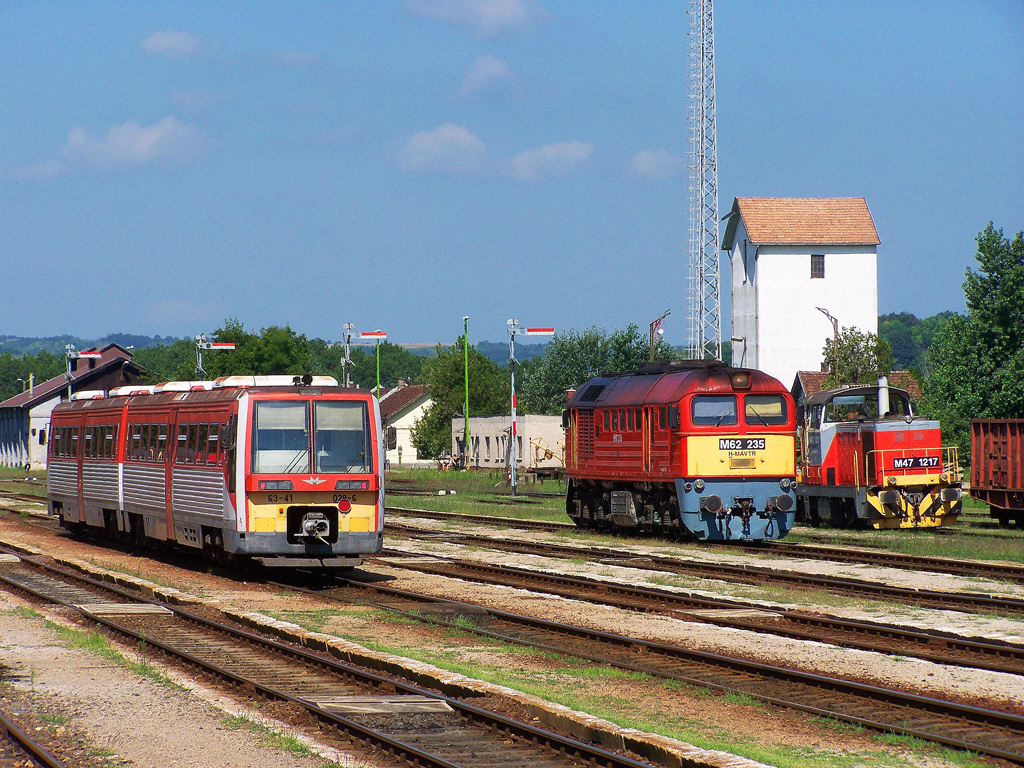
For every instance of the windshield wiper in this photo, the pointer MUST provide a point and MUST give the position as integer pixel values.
(754, 411)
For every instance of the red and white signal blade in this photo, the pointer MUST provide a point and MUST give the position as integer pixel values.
(91, 354)
(373, 335)
(222, 345)
(540, 331)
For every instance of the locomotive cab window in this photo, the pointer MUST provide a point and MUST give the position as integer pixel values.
(342, 437)
(765, 410)
(713, 410)
(280, 442)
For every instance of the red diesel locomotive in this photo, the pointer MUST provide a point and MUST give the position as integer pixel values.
(278, 470)
(868, 460)
(684, 449)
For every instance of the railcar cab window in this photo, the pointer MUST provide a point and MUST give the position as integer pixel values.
(281, 438)
(765, 410)
(341, 437)
(714, 410)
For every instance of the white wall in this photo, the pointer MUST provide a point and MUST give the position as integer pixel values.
(403, 430)
(774, 301)
(791, 332)
(488, 441)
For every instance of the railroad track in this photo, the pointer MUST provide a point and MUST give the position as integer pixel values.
(974, 568)
(387, 717)
(889, 639)
(18, 748)
(959, 725)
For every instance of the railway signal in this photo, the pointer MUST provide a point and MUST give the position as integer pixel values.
(515, 328)
(71, 353)
(201, 344)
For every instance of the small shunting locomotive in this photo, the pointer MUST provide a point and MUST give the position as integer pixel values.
(689, 449)
(868, 461)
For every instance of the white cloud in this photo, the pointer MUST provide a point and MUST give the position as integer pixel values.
(446, 149)
(485, 18)
(174, 44)
(657, 164)
(550, 160)
(165, 141)
(487, 73)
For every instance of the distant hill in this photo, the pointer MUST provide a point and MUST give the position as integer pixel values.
(20, 345)
(498, 352)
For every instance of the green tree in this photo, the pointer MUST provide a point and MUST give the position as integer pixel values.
(489, 394)
(978, 359)
(573, 357)
(856, 357)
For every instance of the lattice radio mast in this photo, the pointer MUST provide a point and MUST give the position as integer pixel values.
(705, 307)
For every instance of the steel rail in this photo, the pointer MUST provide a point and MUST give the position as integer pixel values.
(888, 639)
(740, 676)
(749, 574)
(809, 551)
(36, 752)
(559, 746)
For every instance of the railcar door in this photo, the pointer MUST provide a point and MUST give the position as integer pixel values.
(170, 446)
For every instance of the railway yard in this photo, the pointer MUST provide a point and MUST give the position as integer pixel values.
(482, 639)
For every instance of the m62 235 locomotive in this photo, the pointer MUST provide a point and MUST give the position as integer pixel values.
(684, 449)
(868, 460)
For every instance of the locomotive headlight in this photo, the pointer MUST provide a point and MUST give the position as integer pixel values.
(892, 481)
(784, 483)
(699, 485)
(944, 477)
(688, 487)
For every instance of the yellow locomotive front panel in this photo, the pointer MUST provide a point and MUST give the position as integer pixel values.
(734, 455)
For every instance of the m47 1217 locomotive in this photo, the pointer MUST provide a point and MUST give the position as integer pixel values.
(688, 449)
(868, 461)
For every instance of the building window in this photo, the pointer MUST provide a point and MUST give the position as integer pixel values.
(746, 264)
(817, 265)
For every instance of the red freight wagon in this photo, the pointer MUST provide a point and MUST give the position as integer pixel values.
(997, 468)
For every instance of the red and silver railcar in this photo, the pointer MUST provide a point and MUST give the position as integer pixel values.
(868, 460)
(997, 468)
(278, 470)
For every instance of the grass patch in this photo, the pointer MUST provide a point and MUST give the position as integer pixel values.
(268, 737)
(93, 642)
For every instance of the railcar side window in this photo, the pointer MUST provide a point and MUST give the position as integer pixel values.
(281, 442)
(607, 420)
(182, 446)
(74, 442)
(662, 418)
(615, 421)
(161, 443)
(342, 438)
(714, 410)
(630, 422)
(201, 441)
(213, 444)
(136, 441)
(765, 410)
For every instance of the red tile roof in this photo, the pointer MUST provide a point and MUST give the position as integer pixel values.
(802, 220)
(812, 382)
(397, 399)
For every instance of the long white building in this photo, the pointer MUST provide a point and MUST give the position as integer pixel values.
(797, 263)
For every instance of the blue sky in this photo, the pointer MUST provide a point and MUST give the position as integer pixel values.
(399, 164)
